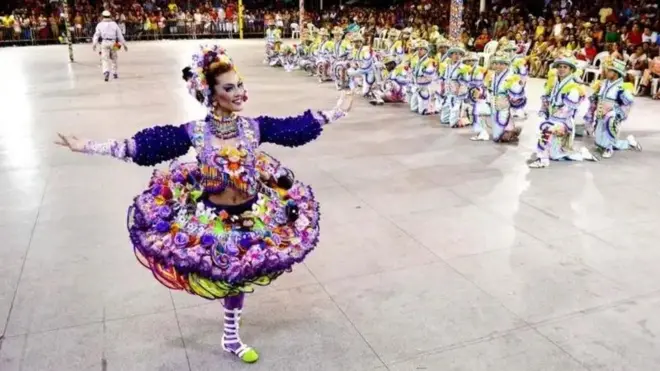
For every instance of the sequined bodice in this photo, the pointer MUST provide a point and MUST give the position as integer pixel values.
(231, 164)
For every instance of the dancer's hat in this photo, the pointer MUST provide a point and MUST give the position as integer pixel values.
(423, 44)
(618, 66)
(501, 58)
(106, 14)
(357, 38)
(470, 57)
(456, 49)
(565, 60)
(509, 47)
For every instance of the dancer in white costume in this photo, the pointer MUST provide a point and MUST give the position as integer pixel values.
(272, 34)
(505, 93)
(610, 105)
(563, 95)
(423, 71)
(391, 89)
(454, 90)
(476, 109)
(362, 69)
(520, 69)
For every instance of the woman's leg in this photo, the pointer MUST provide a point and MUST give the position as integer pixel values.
(231, 340)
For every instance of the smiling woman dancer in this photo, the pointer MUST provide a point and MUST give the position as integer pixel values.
(236, 217)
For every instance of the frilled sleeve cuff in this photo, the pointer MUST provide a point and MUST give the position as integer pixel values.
(295, 131)
(148, 147)
(626, 97)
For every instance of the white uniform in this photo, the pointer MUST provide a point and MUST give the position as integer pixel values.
(107, 34)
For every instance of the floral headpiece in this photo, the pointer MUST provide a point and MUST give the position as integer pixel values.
(198, 87)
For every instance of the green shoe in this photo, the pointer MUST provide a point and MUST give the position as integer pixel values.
(247, 354)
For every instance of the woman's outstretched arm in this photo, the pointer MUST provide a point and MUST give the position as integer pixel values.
(302, 129)
(147, 147)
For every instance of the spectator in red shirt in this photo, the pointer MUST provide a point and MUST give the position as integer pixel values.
(481, 40)
(635, 36)
(588, 53)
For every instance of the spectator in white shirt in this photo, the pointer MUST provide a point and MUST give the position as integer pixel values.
(649, 36)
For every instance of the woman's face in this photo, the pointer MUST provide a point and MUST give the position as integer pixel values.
(230, 94)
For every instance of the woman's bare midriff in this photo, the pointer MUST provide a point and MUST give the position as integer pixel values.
(229, 197)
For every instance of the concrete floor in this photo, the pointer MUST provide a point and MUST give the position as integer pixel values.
(437, 253)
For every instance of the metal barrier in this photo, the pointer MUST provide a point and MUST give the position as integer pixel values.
(82, 33)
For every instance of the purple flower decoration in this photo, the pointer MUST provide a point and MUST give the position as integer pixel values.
(181, 239)
(207, 240)
(231, 249)
(165, 212)
(205, 266)
(217, 274)
(162, 226)
(178, 177)
(234, 272)
(296, 193)
(156, 189)
(245, 242)
(255, 256)
(167, 241)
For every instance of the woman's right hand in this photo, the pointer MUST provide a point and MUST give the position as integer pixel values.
(72, 142)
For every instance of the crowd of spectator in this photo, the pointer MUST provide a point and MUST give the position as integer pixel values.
(585, 28)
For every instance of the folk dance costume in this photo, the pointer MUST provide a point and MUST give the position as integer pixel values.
(506, 93)
(559, 104)
(188, 241)
(423, 69)
(519, 68)
(272, 35)
(305, 58)
(392, 36)
(111, 39)
(476, 107)
(399, 49)
(392, 88)
(610, 106)
(288, 57)
(275, 59)
(441, 48)
(362, 70)
(341, 53)
(324, 56)
(454, 88)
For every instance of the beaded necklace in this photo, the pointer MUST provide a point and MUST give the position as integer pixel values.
(224, 127)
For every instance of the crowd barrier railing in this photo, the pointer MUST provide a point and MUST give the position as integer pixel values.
(134, 31)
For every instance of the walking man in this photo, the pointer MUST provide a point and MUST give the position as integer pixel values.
(109, 36)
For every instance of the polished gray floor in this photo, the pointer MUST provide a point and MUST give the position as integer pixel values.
(437, 253)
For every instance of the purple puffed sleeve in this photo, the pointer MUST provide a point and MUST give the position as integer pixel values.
(147, 147)
(295, 131)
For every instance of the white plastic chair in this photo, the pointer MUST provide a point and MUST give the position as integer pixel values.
(379, 40)
(595, 69)
(489, 50)
(295, 31)
(638, 77)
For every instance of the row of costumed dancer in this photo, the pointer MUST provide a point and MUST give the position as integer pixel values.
(446, 80)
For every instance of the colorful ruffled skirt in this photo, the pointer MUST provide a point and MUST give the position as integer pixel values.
(213, 251)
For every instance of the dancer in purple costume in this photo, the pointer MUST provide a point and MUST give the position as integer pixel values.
(236, 217)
